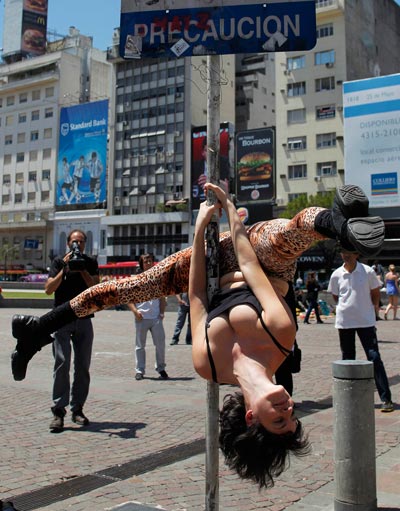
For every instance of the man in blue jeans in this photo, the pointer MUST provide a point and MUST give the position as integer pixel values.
(183, 313)
(68, 276)
(356, 290)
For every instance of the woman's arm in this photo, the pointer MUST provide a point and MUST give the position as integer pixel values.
(198, 286)
(276, 313)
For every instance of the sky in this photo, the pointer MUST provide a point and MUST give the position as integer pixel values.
(95, 18)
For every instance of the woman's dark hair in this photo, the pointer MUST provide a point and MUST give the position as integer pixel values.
(252, 451)
(142, 258)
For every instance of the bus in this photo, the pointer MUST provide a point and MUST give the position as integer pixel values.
(110, 271)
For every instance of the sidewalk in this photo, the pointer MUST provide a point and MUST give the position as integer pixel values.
(145, 443)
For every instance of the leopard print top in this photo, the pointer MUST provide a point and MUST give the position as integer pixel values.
(277, 243)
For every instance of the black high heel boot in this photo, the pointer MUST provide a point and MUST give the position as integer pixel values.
(32, 333)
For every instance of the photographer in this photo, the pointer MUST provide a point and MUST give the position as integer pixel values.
(68, 277)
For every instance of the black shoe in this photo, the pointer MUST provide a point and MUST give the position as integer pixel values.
(366, 234)
(164, 375)
(172, 343)
(189, 342)
(320, 322)
(349, 202)
(80, 418)
(25, 329)
(139, 376)
(306, 322)
(57, 423)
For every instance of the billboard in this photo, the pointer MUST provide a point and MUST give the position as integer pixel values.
(25, 27)
(199, 160)
(82, 156)
(255, 165)
(184, 28)
(371, 137)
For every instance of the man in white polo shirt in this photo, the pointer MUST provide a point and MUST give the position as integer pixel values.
(355, 289)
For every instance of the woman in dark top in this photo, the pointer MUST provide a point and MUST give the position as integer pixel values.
(241, 338)
(312, 297)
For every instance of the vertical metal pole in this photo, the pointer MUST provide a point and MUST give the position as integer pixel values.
(354, 436)
(212, 239)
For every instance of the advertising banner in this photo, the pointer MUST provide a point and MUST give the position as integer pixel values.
(34, 25)
(175, 28)
(199, 161)
(255, 165)
(371, 137)
(81, 174)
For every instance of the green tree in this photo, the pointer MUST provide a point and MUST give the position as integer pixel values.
(303, 201)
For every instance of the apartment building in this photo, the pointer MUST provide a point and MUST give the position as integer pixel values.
(355, 39)
(157, 102)
(32, 92)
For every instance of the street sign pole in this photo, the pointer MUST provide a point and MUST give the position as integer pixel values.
(212, 240)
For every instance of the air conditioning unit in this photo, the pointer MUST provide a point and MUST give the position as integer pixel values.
(317, 179)
(339, 108)
(286, 72)
(117, 198)
(279, 202)
(329, 64)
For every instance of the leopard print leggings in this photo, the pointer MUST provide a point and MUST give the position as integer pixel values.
(277, 243)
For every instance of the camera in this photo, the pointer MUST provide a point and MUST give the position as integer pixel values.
(77, 261)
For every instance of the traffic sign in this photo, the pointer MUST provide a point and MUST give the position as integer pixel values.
(184, 28)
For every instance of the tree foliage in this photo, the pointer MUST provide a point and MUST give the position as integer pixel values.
(304, 201)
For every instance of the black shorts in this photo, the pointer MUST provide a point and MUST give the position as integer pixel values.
(94, 182)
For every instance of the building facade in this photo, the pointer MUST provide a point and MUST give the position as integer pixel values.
(32, 92)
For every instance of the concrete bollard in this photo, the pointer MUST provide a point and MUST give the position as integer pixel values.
(354, 436)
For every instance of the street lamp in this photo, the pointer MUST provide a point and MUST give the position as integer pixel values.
(7, 250)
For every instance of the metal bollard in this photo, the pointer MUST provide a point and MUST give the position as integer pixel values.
(354, 436)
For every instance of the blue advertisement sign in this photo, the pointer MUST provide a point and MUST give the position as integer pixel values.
(184, 28)
(82, 156)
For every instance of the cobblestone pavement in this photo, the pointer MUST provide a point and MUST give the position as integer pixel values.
(145, 440)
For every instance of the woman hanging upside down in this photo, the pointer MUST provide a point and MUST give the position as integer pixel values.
(271, 247)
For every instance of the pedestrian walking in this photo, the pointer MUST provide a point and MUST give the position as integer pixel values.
(313, 288)
(392, 291)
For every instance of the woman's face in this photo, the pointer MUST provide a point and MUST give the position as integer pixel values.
(275, 412)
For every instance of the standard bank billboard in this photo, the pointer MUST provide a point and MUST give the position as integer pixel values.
(82, 156)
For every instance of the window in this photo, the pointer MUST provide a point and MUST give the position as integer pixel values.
(23, 97)
(9, 120)
(324, 83)
(49, 92)
(325, 30)
(10, 101)
(45, 196)
(18, 198)
(46, 153)
(31, 198)
(293, 63)
(48, 133)
(45, 175)
(296, 143)
(297, 171)
(33, 155)
(323, 3)
(327, 168)
(20, 157)
(326, 140)
(7, 159)
(5, 199)
(48, 113)
(296, 116)
(325, 112)
(35, 115)
(21, 138)
(19, 178)
(8, 140)
(296, 89)
(35, 95)
(324, 57)
(34, 136)
(32, 176)
(6, 179)
(22, 117)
